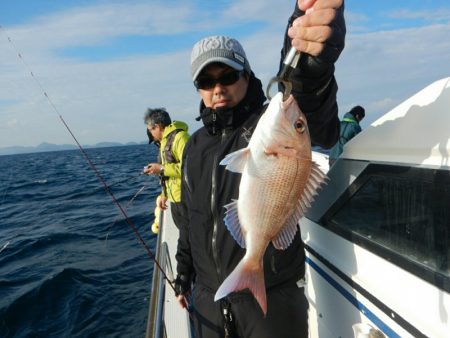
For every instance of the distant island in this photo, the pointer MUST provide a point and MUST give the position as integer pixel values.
(43, 147)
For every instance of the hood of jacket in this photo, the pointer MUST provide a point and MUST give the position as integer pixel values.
(216, 120)
(348, 117)
(174, 126)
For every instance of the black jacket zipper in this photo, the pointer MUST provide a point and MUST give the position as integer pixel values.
(215, 211)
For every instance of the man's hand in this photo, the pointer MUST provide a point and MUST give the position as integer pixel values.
(182, 289)
(183, 301)
(161, 202)
(321, 31)
(153, 168)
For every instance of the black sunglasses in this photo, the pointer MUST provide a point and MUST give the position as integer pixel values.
(226, 79)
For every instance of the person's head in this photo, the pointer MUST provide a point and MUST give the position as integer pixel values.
(157, 120)
(358, 112)
(220, 71)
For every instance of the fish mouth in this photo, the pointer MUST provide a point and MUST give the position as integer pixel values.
(283, 150)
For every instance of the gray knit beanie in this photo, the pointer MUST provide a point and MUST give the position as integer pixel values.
(218, 48)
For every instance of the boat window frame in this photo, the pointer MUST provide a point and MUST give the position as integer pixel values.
(428, 274)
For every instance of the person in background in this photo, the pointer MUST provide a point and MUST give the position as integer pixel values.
(232, 101)
(349, 128)
(157, 211)
(172, 138)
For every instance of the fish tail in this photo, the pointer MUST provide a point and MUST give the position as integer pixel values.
(244, 277)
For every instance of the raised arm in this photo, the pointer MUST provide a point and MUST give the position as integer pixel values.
(317, 30)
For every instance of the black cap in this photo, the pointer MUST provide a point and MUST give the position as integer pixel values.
(358, 110)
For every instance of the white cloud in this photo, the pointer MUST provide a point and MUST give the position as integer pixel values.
(356, 22)
(12, 123)
(105, 100)
(431, 15)
(95, 24)
(264, 11)
(391, 66)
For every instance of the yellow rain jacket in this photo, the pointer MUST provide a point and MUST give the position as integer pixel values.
(171, 156)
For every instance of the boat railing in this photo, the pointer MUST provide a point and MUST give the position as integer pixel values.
(155, 320)
(156, 314)
(157, 325)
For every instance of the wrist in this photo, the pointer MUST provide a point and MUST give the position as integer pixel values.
(312, 76)
(182, 284)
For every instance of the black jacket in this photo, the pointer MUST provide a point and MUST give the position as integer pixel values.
(205, 247)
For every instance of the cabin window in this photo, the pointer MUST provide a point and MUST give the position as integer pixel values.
(403, 213)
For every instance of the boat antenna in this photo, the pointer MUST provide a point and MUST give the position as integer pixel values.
(92, 166)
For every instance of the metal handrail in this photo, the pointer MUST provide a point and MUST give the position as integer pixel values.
(156, 325)
(156, 307)
(160, 323)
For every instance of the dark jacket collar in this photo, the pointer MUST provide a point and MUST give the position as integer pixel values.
(216, 120)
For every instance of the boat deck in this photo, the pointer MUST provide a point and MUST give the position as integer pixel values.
(176, 319)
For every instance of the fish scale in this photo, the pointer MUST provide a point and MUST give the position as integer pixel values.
(273, 204)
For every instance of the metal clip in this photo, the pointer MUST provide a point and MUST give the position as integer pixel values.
(228, 320)
(287, 87)
(289, 63)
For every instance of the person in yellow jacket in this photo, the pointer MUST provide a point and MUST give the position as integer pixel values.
(172, 137)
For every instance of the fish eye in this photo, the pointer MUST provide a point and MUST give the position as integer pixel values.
(300, 127)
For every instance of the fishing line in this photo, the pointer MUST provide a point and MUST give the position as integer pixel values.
(4, 246)
(93, 167)
(3, 199)
(126, 207)
(126, 179)
(7, 187)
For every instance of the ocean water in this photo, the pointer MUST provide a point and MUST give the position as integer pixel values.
(70, 266)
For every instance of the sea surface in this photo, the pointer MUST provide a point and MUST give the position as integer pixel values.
(70, 266)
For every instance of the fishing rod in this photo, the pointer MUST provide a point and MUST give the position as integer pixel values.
(92, 166)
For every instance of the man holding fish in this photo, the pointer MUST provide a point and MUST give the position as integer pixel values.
(248, 177)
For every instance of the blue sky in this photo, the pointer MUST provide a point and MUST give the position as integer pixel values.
(103, 63)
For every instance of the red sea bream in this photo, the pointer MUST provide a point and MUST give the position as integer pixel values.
(278, 182)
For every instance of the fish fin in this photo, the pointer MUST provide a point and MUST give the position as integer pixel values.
(287, 233)
(236, 161)
(316, 179)
(243, 278)
(232, 223)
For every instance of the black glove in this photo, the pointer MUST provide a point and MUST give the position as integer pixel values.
(313, 73)
(335, 43)
(182, 285)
